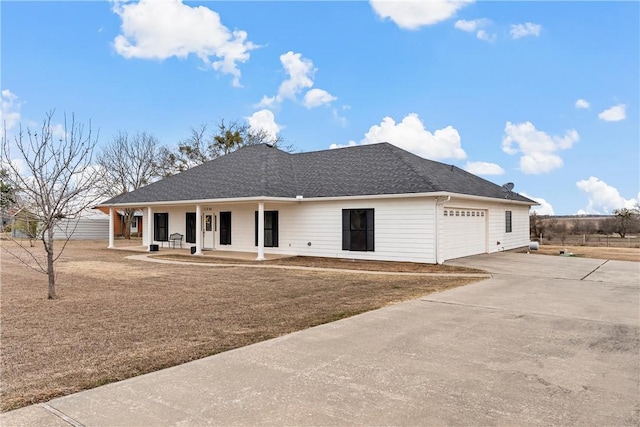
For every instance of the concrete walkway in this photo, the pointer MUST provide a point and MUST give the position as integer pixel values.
(546, 341)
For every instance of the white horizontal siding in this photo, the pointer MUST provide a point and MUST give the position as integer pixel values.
(82, 229)
(499, 239)
(403, 228)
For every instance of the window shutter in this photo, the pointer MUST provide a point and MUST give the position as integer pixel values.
(256, 227)
(156, 228)
(370, 230)
(225, 228)
(274, 230)
(346, 229)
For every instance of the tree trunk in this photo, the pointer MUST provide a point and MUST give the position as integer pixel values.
(50, 270)
(128, 216)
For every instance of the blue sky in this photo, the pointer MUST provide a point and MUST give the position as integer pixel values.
(541, 94)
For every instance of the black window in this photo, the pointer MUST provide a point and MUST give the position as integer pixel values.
(357, 230)
(270, 229)
(190, 227)
(507, 221)
(160, 227)
(225, 228)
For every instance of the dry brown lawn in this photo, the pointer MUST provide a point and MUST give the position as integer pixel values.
(620, 254)
(117, 318)
(331, 263)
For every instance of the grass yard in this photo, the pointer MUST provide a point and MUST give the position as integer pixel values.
(117, 318)
(620, 254)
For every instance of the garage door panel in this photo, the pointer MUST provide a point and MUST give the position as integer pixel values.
(465, 232)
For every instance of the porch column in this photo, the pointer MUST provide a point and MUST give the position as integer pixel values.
(198, 230)
(260, 232)
(111, 228)
(149, 231)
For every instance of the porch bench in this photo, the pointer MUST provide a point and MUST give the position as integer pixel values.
(175, 238)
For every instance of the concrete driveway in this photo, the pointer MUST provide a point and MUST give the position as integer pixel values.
(546, 341)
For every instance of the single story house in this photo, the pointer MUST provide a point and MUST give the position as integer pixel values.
(370, 202)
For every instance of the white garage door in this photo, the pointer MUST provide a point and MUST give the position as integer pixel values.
(465, 232)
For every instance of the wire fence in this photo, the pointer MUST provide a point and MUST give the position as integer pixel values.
(597, 240)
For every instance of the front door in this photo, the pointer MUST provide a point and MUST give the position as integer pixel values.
(209, 230)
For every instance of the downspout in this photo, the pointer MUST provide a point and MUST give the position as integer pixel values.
(437, 230)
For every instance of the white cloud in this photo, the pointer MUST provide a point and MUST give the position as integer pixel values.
(317, 97)
(340, 119)
(300, 71)
(537, 148)
(266, 101)
(603, 198)
(411, 135)
(472, 25)
(484, 36)
(582, 103)
(264, 120)
(483, 168)
(336, 145)
(524, 30)
(413, 14)
(10, 113)
(476, 25)
(614, 114)
(545, 207)
(154, 29)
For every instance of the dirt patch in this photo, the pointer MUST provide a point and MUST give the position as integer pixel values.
(117, 318)
(619, 254)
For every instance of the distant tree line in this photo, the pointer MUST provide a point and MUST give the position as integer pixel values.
(623, 222)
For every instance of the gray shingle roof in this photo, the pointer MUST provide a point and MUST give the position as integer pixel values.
(264, 171)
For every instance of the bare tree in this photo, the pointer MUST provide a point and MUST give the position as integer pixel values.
(625, 221)
(56, 181)
(192, 151)
(7, 198)
(608, 225)
(229, 138)
(128, 163)
(201, 146)
(535, 225)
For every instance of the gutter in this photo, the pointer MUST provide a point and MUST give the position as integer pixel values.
(437, 229)
(303, 199)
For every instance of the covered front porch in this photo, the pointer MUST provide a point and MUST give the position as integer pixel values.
(226, 229)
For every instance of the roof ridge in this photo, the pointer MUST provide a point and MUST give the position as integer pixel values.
(263, 170)
(392, 148)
